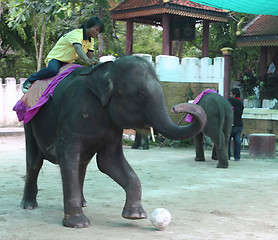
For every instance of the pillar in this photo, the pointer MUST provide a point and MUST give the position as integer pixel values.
(263, 61)
(166, 34)
(227, 52)
(205, 45)
(129, 37)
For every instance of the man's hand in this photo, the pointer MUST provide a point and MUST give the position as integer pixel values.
(92, 61)
(89, 60)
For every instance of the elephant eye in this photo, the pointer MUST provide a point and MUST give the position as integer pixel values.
(141, 96)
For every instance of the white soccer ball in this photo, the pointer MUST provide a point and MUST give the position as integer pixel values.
(160, 218)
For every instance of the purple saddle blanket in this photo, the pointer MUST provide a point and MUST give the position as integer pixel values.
(38, 94)
(189, 118)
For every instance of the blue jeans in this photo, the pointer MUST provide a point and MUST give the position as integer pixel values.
(236, 135)
(47, 72)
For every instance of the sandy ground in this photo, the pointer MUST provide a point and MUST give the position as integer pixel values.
(240, 202)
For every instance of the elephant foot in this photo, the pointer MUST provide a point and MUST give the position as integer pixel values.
(143, 147)
(76, 221)
(199, 159)
(214, 158)
(140, 147)
(134, 211)
(28, 204)
(223, 165)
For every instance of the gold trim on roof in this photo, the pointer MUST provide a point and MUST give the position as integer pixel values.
(273, 43)
(196, 15)
(127, 15)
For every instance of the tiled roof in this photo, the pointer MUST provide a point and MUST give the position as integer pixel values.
(262, 31)
(141, 8)
(132, 4)
(262, 25)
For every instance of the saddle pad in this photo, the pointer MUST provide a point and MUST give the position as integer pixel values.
(39, 92)
(32, 96)
(189, 118)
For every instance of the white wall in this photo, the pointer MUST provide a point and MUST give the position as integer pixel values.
(205, 70)
(168, 69)
(10, 93)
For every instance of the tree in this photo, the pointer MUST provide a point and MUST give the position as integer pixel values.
(47, 20)
(11, 39)
(37, 14)
(13, 47)
(35, 22)
(143, 43)
(223, 34)
(100, 8)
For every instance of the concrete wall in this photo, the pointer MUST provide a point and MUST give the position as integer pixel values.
(175, 93)
(260, 126)
(10, 93)
(191, 70)
(184, 81)
(259, 120)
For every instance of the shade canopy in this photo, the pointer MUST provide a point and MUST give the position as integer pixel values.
(264, 7)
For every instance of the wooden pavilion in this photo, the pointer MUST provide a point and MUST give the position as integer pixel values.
(262, 31)
(176, 17)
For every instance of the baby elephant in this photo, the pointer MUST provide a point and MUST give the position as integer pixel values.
(218, 126)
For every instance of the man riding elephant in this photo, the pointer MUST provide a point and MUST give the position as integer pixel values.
(78, 43)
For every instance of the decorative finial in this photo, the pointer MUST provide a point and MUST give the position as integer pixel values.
(239, 27)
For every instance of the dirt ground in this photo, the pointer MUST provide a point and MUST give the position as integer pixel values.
(237, 203)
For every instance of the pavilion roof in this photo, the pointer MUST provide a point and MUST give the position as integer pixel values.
(150, 11)
(261, 31)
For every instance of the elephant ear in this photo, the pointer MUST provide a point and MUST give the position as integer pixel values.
(98, 80)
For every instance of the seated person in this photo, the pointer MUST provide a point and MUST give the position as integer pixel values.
(75, 44)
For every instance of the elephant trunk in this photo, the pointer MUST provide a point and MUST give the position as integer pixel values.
(161, 121)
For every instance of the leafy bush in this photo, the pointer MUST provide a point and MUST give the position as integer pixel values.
(17, 65)
(169, 143)
(249, 80)
(179, 143)
(268, 86)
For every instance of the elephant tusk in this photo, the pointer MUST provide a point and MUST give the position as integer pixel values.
(152, 134)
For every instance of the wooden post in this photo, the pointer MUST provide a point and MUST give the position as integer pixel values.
(205, 47)
(129, 37)
(263, 61)
(166, 34)
(227, 70)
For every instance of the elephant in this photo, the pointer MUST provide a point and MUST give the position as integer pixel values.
(143, 137)
(85, 116)
(218, 127)
(141, 140)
